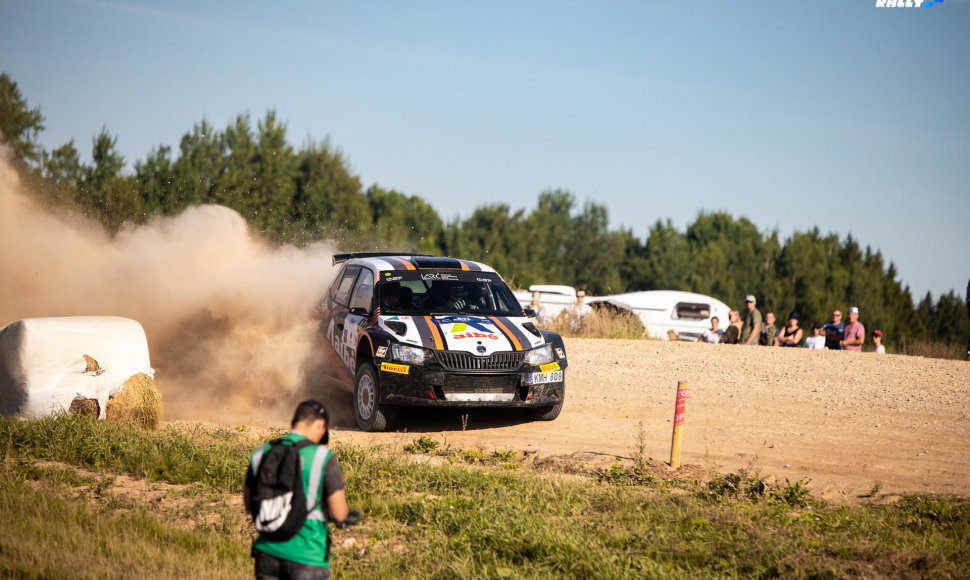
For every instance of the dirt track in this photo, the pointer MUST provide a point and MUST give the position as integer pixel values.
(842, 421)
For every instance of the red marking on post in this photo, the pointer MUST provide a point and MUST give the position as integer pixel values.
(681, 407)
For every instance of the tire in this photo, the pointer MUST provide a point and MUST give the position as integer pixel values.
(550, 413)
(369, 413)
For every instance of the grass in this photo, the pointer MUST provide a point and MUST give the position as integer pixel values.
(466, 514)
(599, 323)
(932, 349)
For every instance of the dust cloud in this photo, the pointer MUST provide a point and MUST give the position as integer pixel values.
(227, 316)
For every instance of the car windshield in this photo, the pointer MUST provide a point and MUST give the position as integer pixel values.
(428, 294)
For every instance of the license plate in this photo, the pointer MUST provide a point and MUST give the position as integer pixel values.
(539, 378)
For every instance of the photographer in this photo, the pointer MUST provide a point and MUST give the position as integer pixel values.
(305, 555)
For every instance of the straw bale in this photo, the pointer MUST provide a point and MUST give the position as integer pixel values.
(83, 406)
(138, 402)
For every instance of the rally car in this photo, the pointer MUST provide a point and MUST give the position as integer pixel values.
(416, 330)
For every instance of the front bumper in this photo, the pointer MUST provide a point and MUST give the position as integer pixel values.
(432, 386)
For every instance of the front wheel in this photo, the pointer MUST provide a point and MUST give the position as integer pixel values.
(550, 413)
(370, 414)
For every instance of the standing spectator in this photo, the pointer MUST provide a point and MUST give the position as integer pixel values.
(791, 335)
(307, 554)
(733, 333)
(769, 332)
(833, 331)
(578, 313)
(752, 322)
(854, 333)
(582, 309)
(817, 340)
(713, 334)
(877, 338)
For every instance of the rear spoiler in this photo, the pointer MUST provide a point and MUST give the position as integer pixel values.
(340, 258)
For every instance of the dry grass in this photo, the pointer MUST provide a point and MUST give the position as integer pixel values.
(494, 518)
(932, 349)
(600, 323)
(138, 403)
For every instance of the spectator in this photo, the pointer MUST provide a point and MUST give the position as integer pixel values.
(833, 331)
(576, 315)
(713, 334)
(854, 333)
(817, 340)
(536, 305)
(733, 332)
(791, 335)
(751, 329)
(307, 554)
(769, 333)
(877, 338)
(581, 308)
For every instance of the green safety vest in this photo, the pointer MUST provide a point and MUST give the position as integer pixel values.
(310, 545)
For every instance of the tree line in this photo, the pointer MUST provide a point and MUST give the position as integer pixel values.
(298, 196)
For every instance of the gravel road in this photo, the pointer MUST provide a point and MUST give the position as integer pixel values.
(843, 422)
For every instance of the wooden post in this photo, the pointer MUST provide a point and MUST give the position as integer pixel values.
(678, 424)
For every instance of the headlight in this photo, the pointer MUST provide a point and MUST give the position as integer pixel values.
(539, 356)
(408, 354)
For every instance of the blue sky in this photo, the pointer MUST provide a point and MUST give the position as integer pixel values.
(792, 113)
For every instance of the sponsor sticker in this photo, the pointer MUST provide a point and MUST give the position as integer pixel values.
(430, 277)
(540, 378)
(484, 279)
(390, 278)
(464, 327)
(561, 353)
(393, 368)
(549, 367)
(489, 336)
(454, 319)
(381, 351)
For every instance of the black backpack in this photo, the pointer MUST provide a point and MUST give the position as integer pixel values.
(278, 502)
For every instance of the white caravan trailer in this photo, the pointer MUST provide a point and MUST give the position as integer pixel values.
(668, 313)
(661, 311)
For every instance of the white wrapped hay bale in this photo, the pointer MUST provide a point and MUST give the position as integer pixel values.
(47, 363)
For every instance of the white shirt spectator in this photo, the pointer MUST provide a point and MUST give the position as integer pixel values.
(815, 342)
(712, 336)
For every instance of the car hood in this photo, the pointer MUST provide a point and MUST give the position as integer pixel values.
(479, 335)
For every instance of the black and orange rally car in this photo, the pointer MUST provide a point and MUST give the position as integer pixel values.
(417, 330)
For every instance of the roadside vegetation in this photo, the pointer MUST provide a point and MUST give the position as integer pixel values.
(82, 498)
(599, 323)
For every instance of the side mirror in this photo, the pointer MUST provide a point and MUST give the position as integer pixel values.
(529, 312)
(358, 311)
